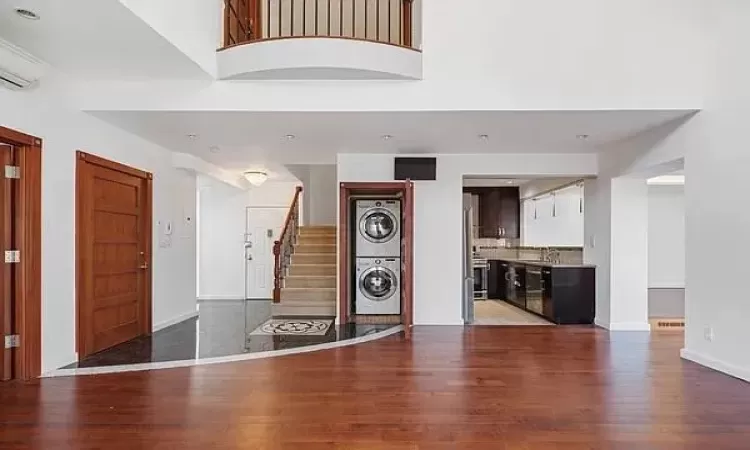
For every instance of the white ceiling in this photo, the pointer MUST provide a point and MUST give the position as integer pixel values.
(245, 138)
(94, 39)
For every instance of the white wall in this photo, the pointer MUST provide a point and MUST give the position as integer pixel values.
(222, 219)
(564, 228)
(717, 219)
(666, 236)
(323, 195)
(548, 43)
(193, 26)
(320, 192)
(64, 131)
(714, 147)
(438, 218)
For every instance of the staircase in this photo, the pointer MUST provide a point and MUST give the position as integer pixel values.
(309, 287)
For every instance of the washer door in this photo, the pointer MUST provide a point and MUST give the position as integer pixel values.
(378, 225)
(378, 283)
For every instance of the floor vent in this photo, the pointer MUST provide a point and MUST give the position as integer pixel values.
(668, 324)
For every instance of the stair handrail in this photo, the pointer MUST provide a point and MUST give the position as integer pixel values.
(284, 247)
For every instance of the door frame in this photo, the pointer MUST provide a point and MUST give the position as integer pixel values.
(83, 158)
(405, 190)
(28, 276)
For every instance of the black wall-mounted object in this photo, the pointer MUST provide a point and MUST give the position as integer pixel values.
(414, 168)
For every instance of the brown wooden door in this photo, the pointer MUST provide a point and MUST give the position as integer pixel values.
(114, 248)
(6, 277)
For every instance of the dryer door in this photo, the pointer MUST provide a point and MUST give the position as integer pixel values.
(378, 283)
(378, 225)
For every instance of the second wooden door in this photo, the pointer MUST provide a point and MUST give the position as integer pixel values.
(113, 235)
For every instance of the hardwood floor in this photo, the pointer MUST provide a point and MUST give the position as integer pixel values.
(451, 387)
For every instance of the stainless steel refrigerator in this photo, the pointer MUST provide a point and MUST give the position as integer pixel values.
(468, 266)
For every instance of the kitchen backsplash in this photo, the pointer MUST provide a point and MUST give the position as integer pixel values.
(509, 249)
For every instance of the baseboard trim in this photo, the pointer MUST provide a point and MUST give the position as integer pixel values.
(629, 326)
(174, 320)
(218, 297)
(714, 364)
(622, 326)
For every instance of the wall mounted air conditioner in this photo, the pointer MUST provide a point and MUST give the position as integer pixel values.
(18, 69)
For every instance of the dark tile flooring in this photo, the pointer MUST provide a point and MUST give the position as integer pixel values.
(221, 329)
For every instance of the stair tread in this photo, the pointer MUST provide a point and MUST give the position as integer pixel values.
(309, 276)
(308, 289)
(313, 264)
(304, 302)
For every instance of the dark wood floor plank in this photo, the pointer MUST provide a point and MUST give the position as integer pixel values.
(474, 388)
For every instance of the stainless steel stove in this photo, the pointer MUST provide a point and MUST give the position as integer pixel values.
(481, 271)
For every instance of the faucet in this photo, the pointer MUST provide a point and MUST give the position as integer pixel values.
(550, 255)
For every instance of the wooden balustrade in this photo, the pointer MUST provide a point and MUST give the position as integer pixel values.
(386, 21)
(284, 247)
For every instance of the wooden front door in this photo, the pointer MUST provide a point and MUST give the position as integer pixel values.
(113, 233)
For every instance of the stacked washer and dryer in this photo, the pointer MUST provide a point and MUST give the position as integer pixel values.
(377, 256)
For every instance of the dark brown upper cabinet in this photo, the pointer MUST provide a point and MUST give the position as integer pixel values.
(499, 211)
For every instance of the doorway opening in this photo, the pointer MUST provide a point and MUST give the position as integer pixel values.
(666, 250)
(376, 274)
(523, 245)
(113, 253)
(21, 234)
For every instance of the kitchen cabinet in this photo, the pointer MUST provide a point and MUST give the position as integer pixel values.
(499, 211)
(563, 294)
(497, 284)
(548, 307)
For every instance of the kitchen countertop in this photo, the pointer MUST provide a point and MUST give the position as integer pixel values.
(545, 264)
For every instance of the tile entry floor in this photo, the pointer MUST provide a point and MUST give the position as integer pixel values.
(222, 328)
(498, 312)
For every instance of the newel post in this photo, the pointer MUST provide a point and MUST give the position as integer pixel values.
(277, 271)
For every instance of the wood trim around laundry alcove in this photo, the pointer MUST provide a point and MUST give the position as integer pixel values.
(405, 190)
(27, 223)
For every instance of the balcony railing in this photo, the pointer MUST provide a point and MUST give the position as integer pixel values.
(386, 21)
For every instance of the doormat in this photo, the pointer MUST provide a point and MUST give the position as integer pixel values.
(293, 327)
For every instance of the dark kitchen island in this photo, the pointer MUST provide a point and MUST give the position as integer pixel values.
(561, 293)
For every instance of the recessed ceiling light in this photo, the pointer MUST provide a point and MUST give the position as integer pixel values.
(484, 137)
(27, 14)
(192, 136)
(290, 136)
(386, 137)
(213, 149)
(582, 137)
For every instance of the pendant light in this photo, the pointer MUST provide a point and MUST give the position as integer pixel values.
(534, 200)
(580, 197)
(554, 204)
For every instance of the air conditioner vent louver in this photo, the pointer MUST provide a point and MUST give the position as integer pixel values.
(18, 69)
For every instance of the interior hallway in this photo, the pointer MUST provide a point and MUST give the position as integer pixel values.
(451, 387)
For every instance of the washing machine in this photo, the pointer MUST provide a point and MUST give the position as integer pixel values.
(378, 286)
(378, 228)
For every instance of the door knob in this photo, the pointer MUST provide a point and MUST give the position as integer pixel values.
(249, 257)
